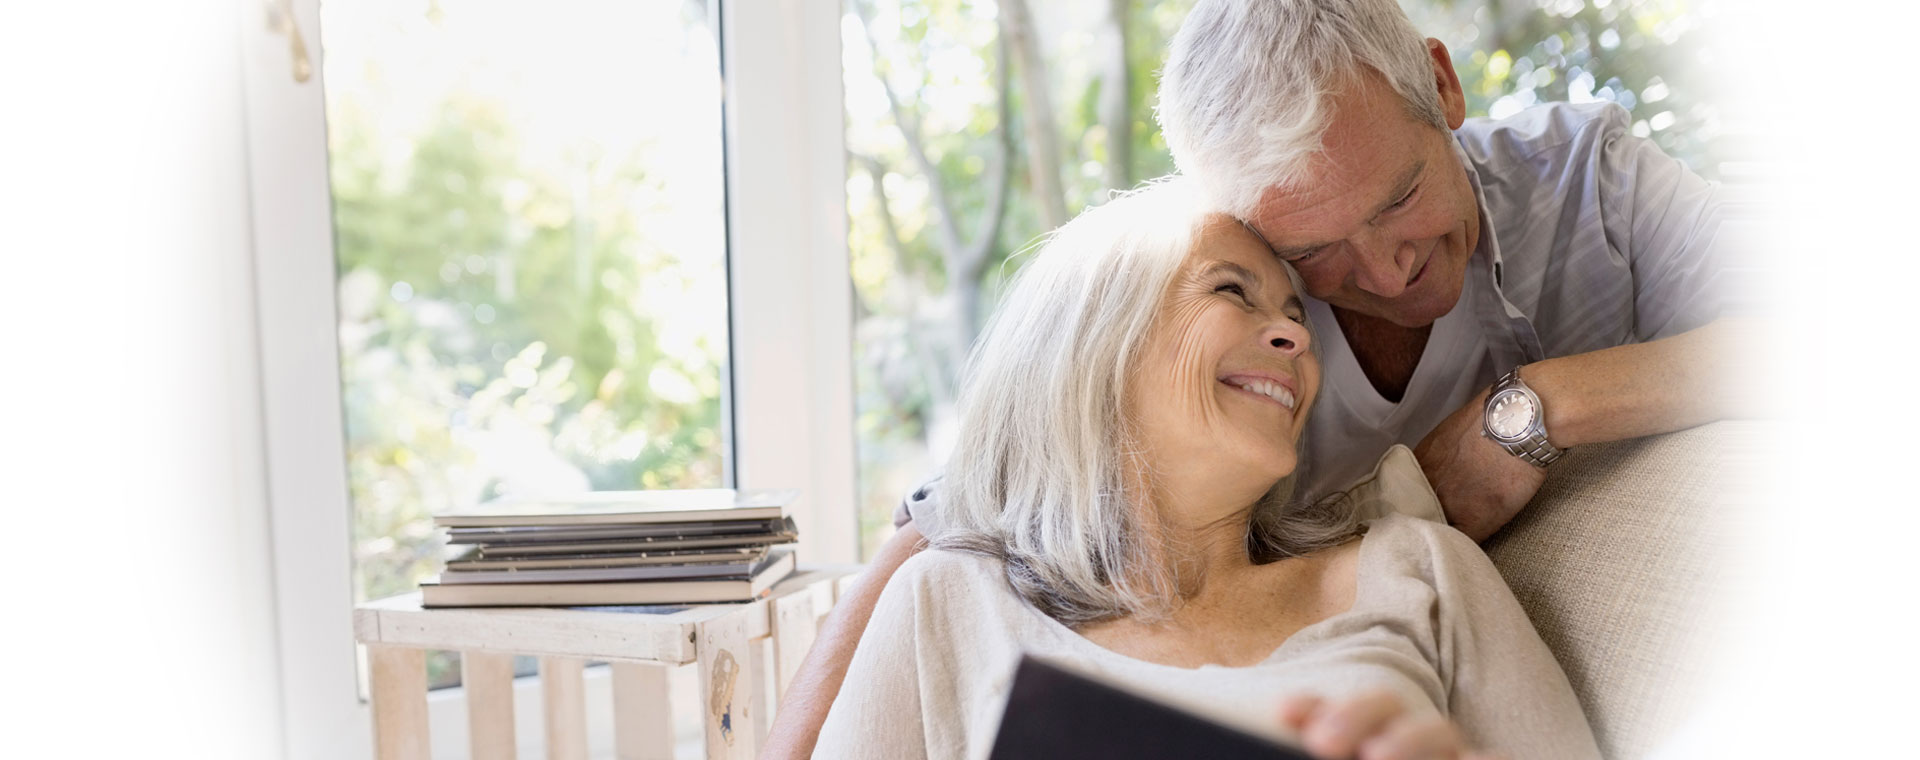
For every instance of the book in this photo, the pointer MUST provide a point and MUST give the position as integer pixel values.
(472, 561)
(632, 545)
(774, 568)
(1056, 714)
(722, 569)
(548, 533)
(624, 508)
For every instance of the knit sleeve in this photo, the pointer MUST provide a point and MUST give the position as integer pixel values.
(1504, 688)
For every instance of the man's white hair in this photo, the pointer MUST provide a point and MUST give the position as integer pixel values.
(1040, 473)
(1247, 91)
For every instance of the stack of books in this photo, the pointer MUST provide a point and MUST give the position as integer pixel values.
(616, 548)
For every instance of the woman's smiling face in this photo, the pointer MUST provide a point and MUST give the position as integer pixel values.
(1225, 378)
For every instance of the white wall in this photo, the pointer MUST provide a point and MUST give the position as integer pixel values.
(139, 614)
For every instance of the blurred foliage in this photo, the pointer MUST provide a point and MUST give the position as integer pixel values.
(493, 340)
(1656, 58)
(939, 58)
(507, 325)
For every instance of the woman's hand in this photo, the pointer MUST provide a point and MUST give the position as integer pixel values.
(1372, 726)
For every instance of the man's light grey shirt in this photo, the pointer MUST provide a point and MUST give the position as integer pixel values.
(1590, 238)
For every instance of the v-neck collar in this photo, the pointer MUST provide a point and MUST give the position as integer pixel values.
(1351, 387)
(1481, 305)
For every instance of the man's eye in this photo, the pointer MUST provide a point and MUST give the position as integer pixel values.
(1404, 199)
(1309, 255)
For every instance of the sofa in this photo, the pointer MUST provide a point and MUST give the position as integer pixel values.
(1626, 562)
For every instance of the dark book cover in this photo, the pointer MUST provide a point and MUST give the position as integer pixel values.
(776, 567)
(542, 534)
(1054, 714)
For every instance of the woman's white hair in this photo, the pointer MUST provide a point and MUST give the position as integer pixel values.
(1040, 477)
(1247, 91)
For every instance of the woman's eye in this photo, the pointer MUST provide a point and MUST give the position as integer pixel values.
(1234, 288)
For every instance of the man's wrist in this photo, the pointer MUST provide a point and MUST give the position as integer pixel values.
(1514, 418)
(1560, 403)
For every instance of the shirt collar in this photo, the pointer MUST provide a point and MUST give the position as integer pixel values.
(1499, 314)
(1487, 248)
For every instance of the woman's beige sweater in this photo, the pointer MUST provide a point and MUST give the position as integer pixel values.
(1432, 621)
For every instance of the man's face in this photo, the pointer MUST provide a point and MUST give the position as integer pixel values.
(1385, 220)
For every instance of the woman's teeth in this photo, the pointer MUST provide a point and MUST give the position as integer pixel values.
(1273, 391)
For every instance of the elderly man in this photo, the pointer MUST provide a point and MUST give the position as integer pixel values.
(1551, 261)
(1489, 292)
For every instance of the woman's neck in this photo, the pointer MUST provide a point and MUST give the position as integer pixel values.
(1200, 520)
(1202, 539)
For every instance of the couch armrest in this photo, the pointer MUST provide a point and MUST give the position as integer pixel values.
(1624, 561)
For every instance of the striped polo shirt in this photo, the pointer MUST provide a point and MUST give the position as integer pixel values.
(1590, 238)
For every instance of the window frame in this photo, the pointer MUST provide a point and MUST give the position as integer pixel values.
(788, 418)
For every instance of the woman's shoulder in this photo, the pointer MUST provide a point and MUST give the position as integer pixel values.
(949, 573)
(939, 561)
(1408, 528)
(1396, 486)
(1413, 545)
(959, 591)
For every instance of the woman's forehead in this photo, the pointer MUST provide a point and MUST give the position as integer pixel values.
(1225, 239)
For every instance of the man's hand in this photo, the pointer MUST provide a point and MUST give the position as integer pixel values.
(1480, 485)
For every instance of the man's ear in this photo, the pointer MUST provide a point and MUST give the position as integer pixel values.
(1453, 102)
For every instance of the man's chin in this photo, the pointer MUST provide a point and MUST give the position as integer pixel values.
(1431, 307)
(1412, 315)
(1417, 318)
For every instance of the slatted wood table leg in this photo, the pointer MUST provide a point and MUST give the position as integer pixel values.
(563, 696)
(758, 674)
(726, 690)
(642, 712)
(794, 626)
(398, 677)
(488, 681)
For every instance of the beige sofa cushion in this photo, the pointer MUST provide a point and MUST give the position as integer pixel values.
(1623, 561)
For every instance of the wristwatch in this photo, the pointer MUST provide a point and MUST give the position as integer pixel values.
(1515, 420)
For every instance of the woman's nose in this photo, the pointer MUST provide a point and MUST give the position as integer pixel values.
(1292, 338)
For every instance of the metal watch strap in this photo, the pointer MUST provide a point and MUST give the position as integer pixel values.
(1534, 448)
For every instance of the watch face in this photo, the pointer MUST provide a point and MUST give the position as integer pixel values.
(1510, 415)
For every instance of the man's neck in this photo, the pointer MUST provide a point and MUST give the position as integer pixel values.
(1387, 353)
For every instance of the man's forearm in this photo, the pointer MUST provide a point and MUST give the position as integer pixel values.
(804, 708)
(1644, 389)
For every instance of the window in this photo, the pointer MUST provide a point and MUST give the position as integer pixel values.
(562, 165)
(528, 207)
(972, 128)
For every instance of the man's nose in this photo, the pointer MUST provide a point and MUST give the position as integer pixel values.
(1382, 263)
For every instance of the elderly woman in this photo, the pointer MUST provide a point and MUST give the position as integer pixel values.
(1119, 503)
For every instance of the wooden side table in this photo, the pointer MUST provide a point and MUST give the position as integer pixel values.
(724, 639)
